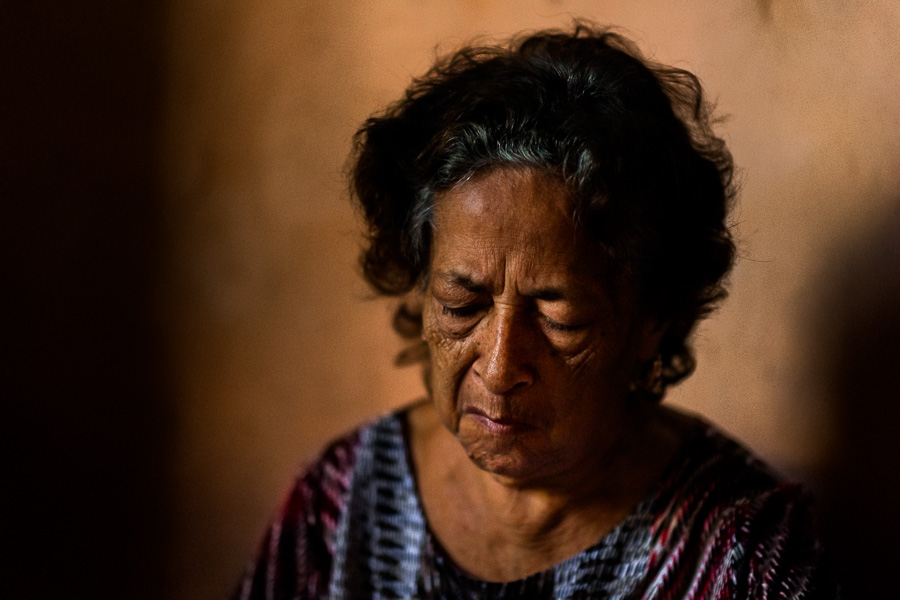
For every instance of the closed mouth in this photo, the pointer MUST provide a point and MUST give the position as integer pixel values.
(498, 421)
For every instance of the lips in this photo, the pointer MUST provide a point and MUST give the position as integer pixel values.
(498, 424)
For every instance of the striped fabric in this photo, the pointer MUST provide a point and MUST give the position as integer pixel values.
(718, 526)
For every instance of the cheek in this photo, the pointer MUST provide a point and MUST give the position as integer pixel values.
(450, 356)
(606, 366)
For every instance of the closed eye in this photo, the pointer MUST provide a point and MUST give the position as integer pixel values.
(460, 312)
(557, 326)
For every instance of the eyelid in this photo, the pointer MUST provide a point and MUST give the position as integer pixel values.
(563, 327)
(466, 310)
(569, 315)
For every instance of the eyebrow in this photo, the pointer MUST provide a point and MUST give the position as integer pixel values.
(549, 294)
(463, 281)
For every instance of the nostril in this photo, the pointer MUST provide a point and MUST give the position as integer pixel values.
(502, 378)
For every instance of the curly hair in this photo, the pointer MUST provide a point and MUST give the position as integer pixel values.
(631, 140)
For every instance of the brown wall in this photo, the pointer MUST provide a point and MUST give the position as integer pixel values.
(278, 346)
(230, 335)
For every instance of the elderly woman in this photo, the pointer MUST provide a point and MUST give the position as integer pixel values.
(552, 215)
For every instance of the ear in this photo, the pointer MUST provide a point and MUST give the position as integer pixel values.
(650, 336)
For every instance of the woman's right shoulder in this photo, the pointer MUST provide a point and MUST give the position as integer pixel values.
(296, 554)
(323, 483)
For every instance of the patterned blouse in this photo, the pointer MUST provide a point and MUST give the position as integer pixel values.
(718, 526)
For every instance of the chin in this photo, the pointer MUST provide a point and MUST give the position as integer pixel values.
(513, 464)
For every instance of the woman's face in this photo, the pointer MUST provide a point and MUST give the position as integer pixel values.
(532, 345)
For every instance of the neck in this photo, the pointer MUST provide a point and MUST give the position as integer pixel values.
(609, 482)
(600, 489)
(526, 527)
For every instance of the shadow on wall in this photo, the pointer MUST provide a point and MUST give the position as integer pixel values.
(857, 329)
(87, 413)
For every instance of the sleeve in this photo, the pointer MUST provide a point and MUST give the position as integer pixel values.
(762, 547)
(785, 558)
(295, 557)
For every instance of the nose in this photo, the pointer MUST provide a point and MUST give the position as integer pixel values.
(506, 361)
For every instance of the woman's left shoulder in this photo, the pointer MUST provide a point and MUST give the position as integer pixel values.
(746, 528)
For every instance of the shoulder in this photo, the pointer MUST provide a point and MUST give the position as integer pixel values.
(297, 551)
(732, 526)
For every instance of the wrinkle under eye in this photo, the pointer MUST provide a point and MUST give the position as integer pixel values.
(457, 321)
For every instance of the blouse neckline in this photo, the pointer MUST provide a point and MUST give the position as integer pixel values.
(641, 515)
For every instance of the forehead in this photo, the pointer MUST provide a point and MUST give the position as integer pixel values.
(507, 199)
(518, 219)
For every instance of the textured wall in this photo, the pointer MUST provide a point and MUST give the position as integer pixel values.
(275, 344)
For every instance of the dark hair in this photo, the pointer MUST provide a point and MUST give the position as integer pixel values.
(631, 140)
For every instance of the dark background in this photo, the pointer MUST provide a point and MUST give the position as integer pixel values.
(86, 410)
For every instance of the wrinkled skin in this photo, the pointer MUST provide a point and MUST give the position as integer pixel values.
(532, 344)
